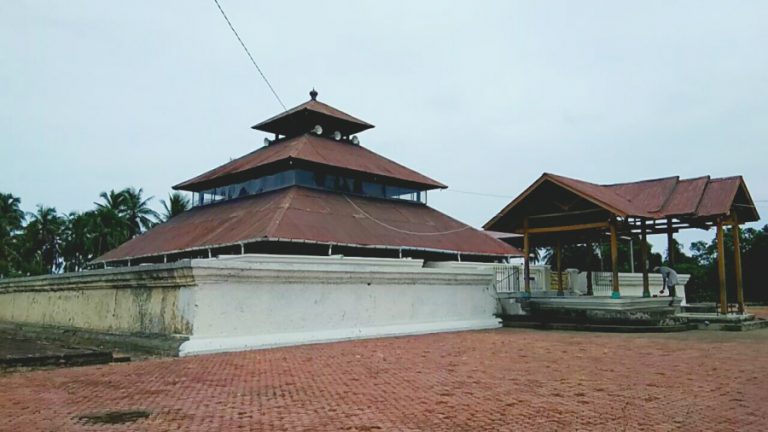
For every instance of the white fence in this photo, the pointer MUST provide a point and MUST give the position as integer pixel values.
(510, 278)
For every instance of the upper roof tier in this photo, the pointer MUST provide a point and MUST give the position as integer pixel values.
(303, 146)
(303, 118)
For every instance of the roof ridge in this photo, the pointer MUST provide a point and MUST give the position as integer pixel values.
(315, 101)
(726, 178)
(641, 181)
(282, 208)
(669, 195)
(695, 178)
(444, 186)
(703, 192)
(602, 187)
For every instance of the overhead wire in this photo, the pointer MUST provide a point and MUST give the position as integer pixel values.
(263, 76)
(479, 193)
(385, 225)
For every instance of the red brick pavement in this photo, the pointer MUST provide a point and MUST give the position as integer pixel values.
(491, 380)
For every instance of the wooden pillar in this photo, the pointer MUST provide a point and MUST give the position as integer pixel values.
(721, 267)
(559, 252)
(736, 232)
(670, 243)
(526, 258)
(644, 259)
(615, 260)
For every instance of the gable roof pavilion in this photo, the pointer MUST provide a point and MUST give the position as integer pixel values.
(557, 209)
(313, 189)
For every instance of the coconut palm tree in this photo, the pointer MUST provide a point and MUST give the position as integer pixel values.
(112, 200)
(177, 203)
(78, 240)
(11, 222)
(137, 212)
(109, 230)
(43, 240)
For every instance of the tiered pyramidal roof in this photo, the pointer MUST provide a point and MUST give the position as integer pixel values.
(311, 189)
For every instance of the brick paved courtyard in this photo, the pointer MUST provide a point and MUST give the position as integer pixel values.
(491, 380)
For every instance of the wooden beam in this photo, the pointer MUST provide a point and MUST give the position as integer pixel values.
(721, 267)
(572, 213)
(564, 228)
(526, 258)
(614, 260)
(670, 243)
(559, 251)
(644, 260)
(736, 231)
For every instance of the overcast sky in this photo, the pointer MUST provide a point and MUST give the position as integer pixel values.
(483, 96)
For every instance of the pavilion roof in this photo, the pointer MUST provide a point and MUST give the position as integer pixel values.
(302, 118)
(695, 199)
(307, 215)
(313, 149)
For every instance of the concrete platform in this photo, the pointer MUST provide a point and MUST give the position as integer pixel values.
(516, 323)
(727, 322)
(604, 311)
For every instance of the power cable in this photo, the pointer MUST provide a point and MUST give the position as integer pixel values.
(465, 227)
(249, 55)
(479, 193)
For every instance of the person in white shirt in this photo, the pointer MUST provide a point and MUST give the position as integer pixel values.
(669, 279)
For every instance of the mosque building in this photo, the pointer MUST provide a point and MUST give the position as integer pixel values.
(312, 189)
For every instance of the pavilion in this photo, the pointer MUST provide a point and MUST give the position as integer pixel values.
(312, 189)
(557, 210)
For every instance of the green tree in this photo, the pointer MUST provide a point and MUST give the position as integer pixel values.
(42, 241)
(78, 247)
(11, 222)
(177, 203)
(136, 210)
(578, 256)
(109, 230)
(112, 200)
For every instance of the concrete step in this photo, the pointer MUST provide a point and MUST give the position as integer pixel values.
(597, 327)
(746, 325)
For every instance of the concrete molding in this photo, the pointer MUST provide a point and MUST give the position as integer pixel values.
(604, 303)
(171, 275)
(203, 345)
(329, 270)
(323, 260)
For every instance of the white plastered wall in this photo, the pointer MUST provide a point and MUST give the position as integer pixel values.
(262, 301)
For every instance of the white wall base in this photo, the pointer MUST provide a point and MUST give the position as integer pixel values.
(259, 301)
(198, 345)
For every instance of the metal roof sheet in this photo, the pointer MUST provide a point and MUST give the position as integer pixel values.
(315, 149)
(309, 111)
(670, 197)
(298, 213)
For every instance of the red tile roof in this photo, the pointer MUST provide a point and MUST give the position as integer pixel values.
(670, 197)
(315, 149)
(312, 107)
(298, 213)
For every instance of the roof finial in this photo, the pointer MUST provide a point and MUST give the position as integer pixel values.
(313, 94)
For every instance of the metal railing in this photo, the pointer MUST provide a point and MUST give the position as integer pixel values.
(602, 283)
(507, 278)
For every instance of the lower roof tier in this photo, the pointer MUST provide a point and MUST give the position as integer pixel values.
(301, 214)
